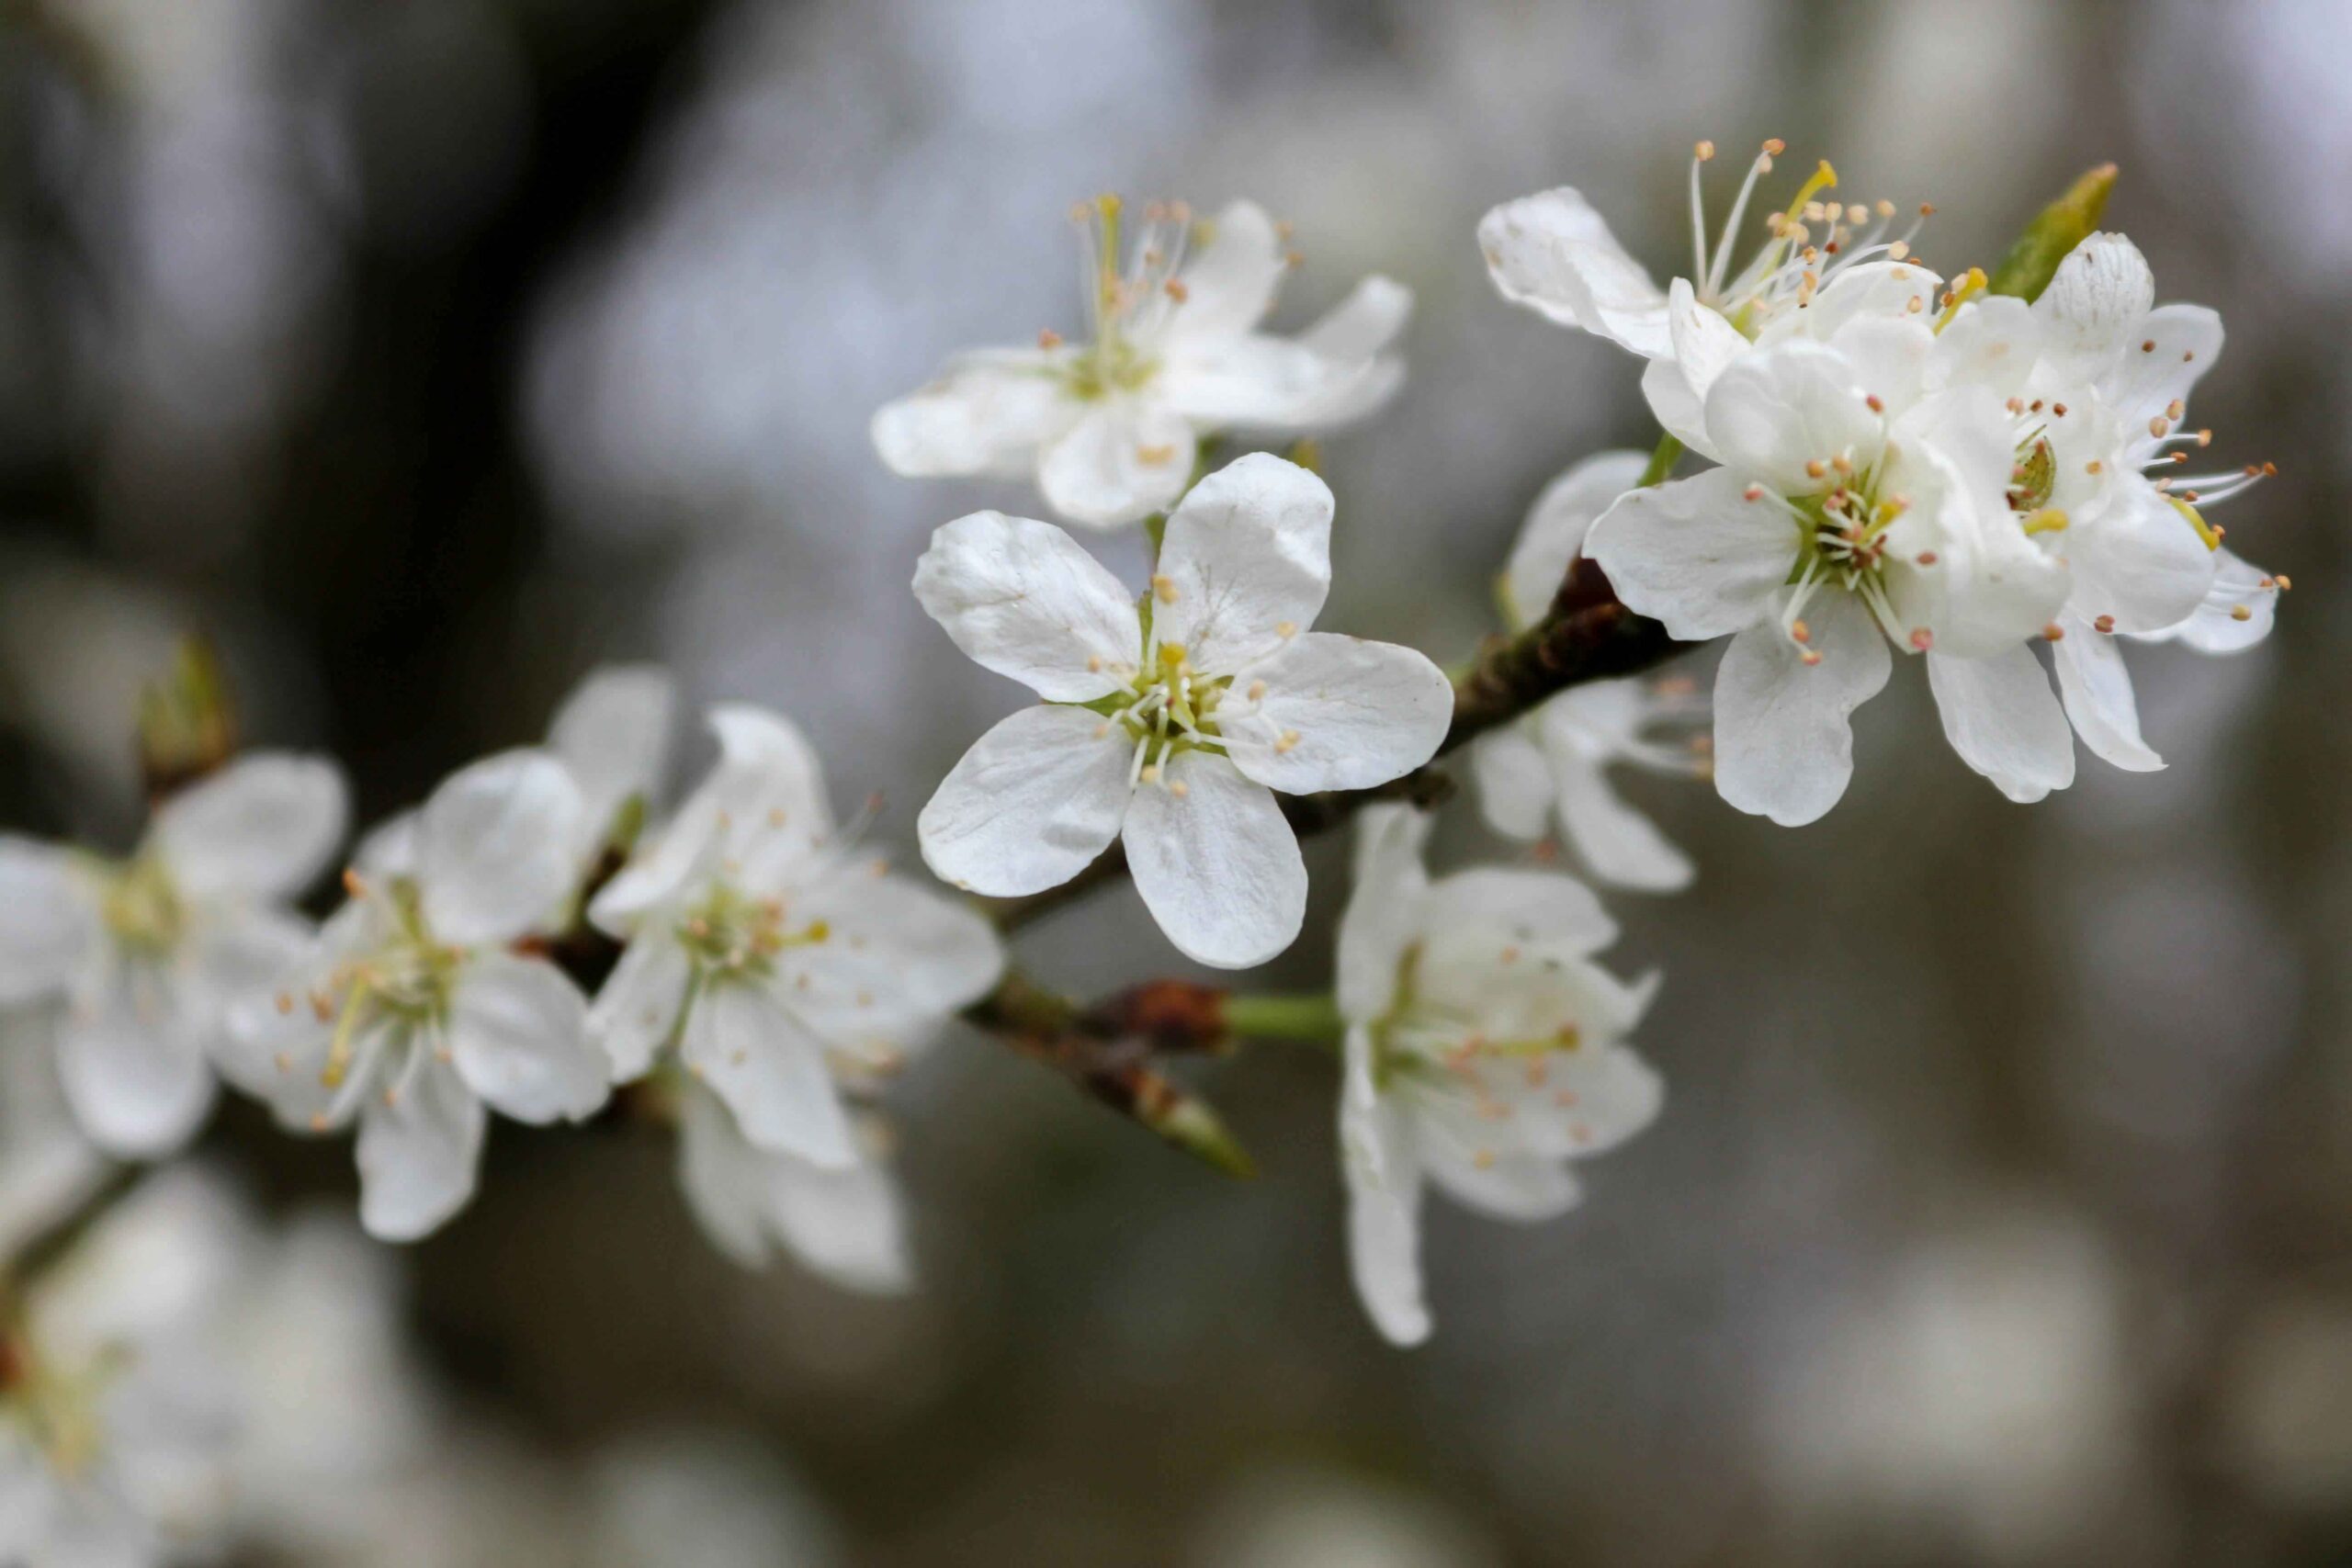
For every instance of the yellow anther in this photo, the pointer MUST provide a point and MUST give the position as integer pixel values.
(1968, 287)
(1163, 588)
(2049, 520)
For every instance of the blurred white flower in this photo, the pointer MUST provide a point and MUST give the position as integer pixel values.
(1110, 428)
(1554, 759)
(46, 1164)
(1172, 726)
(760, 945)
(1483, 1052)
(701, 1499)
(410, 1011)
(1862, 492)
(118, 1415)
(147, 953)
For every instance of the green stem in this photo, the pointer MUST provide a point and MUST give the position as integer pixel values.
(1155, 528)
(1662, 460)
(1312, 1016)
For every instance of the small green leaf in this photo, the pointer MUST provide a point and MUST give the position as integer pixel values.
(2055, 230)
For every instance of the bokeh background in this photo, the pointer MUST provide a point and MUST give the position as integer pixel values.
(425, 353)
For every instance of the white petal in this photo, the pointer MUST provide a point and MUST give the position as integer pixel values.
(1248, 554)
(1887, 355)
(1617, 843)
(1993, 343)
(1121, 462)
(1554, 533)
(1517, 1187)
(988, 414)
(1773, 411)
(1382, 913)
(1880, 289)
(1783, 746)
(1031, 804)
(1229, 286)
(771, 1073)
(2160, 361)
(2216, 627)
(418, 1155)
(847, 1225)
(1514, 781)
(1259, 382)
(723, 1176)
(46, 1167)
(613, 732)
(2094, 301)
(898, 958)
(131, 1057)
(637, 1005)
(47, 924)
(1384, 1221)
(518, 1030)
(494, 847)
(1618, 1094)
(2000, 715)
(1696, 553)
(1022, 598)
(1337, 713)
(1218, 865)
(1492, 908)
(1362, 324)
(1552, 253)
(2096, 690)
(1704, 345)
(2139, 560)
(263, 827)
(390, 847)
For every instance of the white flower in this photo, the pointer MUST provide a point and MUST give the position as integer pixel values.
(147, 954)
(1173, 724)
(1821, 265)
(612, 733)
(118, 1413)
(1111, 427)
(1483, 1052)
(769, 956)
(2105, 406)
(1862, 499)
(700, 1498)
(1555, 759)
(46, 1165)
(411, 1012)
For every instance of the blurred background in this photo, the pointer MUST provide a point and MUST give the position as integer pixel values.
(426, 352)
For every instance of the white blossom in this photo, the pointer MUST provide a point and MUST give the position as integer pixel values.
(613, 734)
(46, 1164)
(1861, 499)
(1483, 1052)
(1111, 427)
(118, 1412)
(1170, 722)
(775, 964)
(412, 1010)
(147, 954)
(1554, 761)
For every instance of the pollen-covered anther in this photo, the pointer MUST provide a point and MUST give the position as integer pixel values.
(2093, 467)
(1151, 774)
(1798, 632)
(1703, 150)
(1922, 638)
(1163, 588)
(1753, 492)
(2241, 613)
(1286, 630)
(1927, 557)
(1286, 741)
(2104, 624)
(1876, 403)
(1842, 463)
(2058, 409)
(2054, 632)
(2158, 426)
(1155, 457)
(353, 883)
(1257, 691)
(1815, 468)
(1094, 664)
(1048, 339)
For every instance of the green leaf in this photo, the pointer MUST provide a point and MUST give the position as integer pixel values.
(2056, 229)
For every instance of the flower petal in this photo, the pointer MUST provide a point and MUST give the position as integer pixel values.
(637, 1005)
(847, 1225)
(1248, 554)
(1384, 1220)
(720, 1174)
(898, 957)
(2096, 690)
(1618, 844)
(1217, 864)
(1514, 781)
(988, 414)
(1229, 285)
(1475, 914)
(2138, 561)
(2161, 360)
(1774, 411)
(518, 1032)
(418, 1155)
(263, 827)
(2216, 625)
(1696, 553)
(1022, 598)
(2095, 300)
(1363, 324)
(771, 1073)
(1031, 804)
(2000, 715)
(1522, 1187)
(1123, 460)
(131, 1059)
(1259, 382)
(1554, 533)
(1703, 345)
(1783, 746)
(494, 847)
(1336, 712)
(47, 924)
(1382, 916)
(1553, 254)
(613, 732)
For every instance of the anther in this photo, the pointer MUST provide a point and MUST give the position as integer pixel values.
(2241, 613)
(1800, 631)
(1815, 468)
(1705, 151)
(2054, 632)
(2149, 346)
(2058, 409)
(1049, 339)
(1174, 288)
(1753, 492)
(1874, 403)
(1927, 557)
(1286, 741)
(1154, 457)
(1922, 638)
(2104, 624)
(1286, 629)
(1163, 588)
(1257, 691)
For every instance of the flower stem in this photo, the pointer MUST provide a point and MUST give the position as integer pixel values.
(1310, 1016)
(1667, 452)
